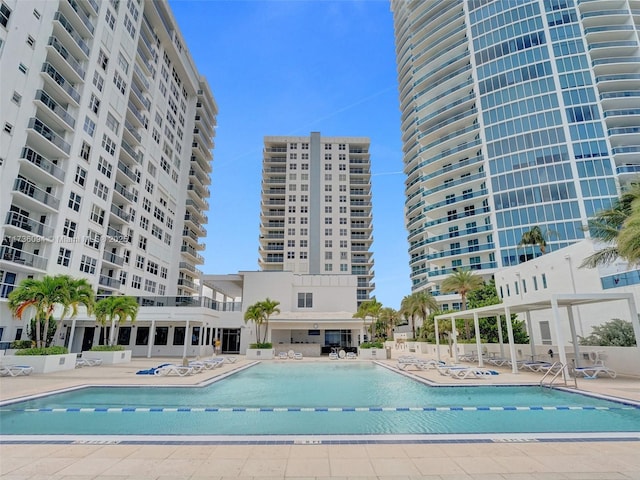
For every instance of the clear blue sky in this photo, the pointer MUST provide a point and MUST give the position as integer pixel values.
(290, 68)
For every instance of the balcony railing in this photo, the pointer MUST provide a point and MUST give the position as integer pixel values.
(39, 126)
(61, 81)
(83, 16)
(64, 53)
(186, 283)
(55, 108)
(39, 161)
(109, 282)
(191, 251)
(72, 32)
(120, 213)
(113, 258)
(31, 190)
(29, 225)
(20, 257)
(129, 149)
(127, 171)
(132, 130)
(118, 187)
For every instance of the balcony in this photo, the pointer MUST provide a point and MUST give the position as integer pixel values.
(28, 225)
(473, 266)
(31, 190)
(80, 14)
(61, 82)
(60, 114)
(47, 166)
(20, 257)
(50, 135)
(71, 61)
(117, 236)
(82, 47)
(113, 258)
(135, 156)
(127, 171)
(119, 188)
(142, 121)
(188, 249)
(109, 282)
(141, 98)
(119, 212)
(141, 76)
(184, 282)
(132, 130)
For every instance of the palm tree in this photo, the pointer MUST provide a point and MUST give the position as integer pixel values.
(608, 225)
(116, 309)
(462, 281)
(43, 295)
(254, 314)
(269, 307)
(80, 293)
(418, 305)
(369, 308)
(536, 236)
(389, 317)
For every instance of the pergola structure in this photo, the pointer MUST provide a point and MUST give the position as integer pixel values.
(554, 303)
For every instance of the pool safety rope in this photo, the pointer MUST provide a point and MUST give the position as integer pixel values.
(314, 409)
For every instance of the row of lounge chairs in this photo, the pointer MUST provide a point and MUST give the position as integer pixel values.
(342, 354)
(190, 368)
(290, 355)
(15, 370)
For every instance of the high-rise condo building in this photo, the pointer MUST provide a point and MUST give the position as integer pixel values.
(316, 207)
(105, 147)
(515, 114)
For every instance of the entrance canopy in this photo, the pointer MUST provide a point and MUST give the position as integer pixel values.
(555, 302)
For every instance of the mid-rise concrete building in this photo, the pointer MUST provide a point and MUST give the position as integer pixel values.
(515, 113)
(105, 150)
(316, 207)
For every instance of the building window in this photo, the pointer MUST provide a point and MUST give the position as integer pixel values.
(74, 201)
(103, 60)
(97, 214)
(142, 335)
(64, 257)
(89, 126)
(16, 98)
(23, 68)
(88, 264)
(136, 281)
(69, 229)
(544, 280)
(305, 300)
(94, 104)
(535, 283)
(179, 335)
(161, 336)
(5, 13)
(81, 176)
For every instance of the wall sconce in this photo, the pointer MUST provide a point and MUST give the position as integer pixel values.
(315, 326)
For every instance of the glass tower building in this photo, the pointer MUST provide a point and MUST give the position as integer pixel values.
(515, 114)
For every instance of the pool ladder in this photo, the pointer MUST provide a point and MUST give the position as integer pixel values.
(562, 371)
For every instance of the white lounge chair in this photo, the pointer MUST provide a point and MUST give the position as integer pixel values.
(534, 366)
(283, 355)
(333, 356)
(15, 370)
(230, 359)
(351, 355)
(593, 371)
(297, 356)
(88, 362)
(177, 370)
(215, 362)
(471, 372)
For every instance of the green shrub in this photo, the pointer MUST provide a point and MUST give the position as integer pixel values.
(254, 346)
(107, 348)
(20, 344)
(43, 351)
(372, 345)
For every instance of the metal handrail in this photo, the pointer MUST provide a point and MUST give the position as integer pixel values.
(561, 370)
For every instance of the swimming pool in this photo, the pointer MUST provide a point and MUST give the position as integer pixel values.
(316, 399)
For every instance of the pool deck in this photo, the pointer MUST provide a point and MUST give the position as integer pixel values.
(392, 458)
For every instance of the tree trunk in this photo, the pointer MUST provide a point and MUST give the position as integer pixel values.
(113, 326)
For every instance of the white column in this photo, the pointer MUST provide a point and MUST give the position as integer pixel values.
(476, 326)
(435, 325)
(635, 321)
(574, 337)
(186, 339)
(152, 336)
(512, 344)
(531, 339)
(72, 333)
(500, 339)
(559, 335)
(454, 332)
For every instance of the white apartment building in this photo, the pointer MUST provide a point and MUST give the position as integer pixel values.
(316, 207)
(105, 151)
(514, 114)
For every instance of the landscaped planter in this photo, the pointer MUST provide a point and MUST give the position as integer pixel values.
(43, 363)
(372, 353)
(109, 357)
(259, 353)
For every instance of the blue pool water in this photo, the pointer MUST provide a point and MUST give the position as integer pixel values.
(316, 398)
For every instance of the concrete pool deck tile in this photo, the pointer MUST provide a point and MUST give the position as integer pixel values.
(264, 467)
(348, 451)
(437, 466)
(222, 467)
(425, 450)
(89, 466)
(349, 467)
(393, 466)
(478, 464)
(302, 467)
(309, 451)
(272, 451)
